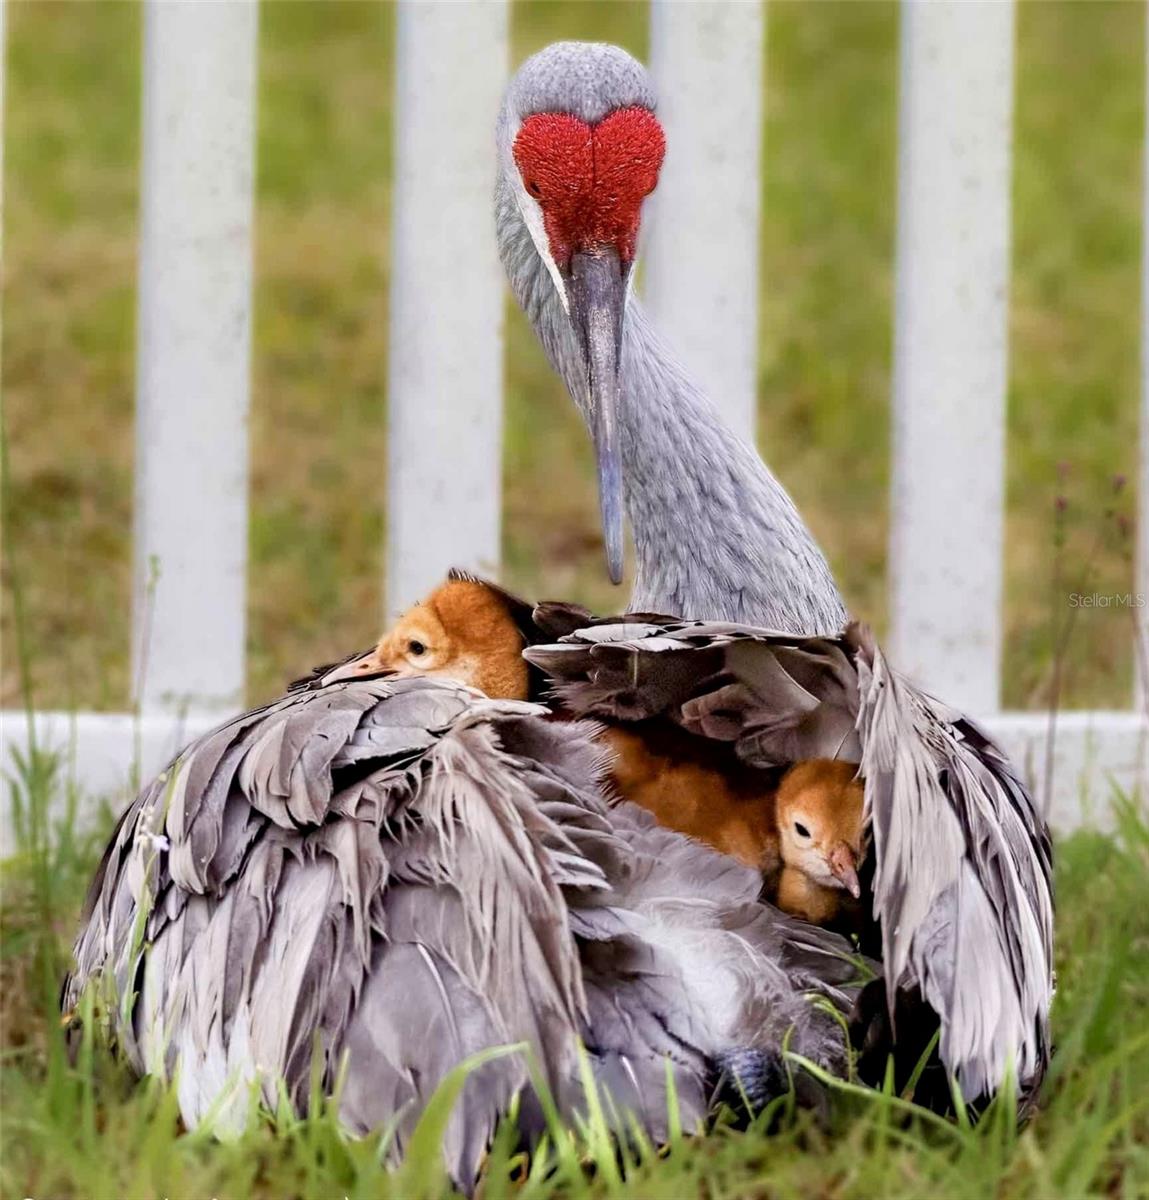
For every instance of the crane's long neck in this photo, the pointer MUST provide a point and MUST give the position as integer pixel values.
(716, 536)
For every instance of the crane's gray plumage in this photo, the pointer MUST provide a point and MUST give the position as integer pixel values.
(402, 872)
(963, 882)
(963, 878)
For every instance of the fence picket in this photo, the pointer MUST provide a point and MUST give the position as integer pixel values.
(446, 348)
(193, 354)
(950, 351)
(701, 263)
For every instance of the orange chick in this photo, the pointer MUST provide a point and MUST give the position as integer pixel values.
(820, 822)
(805, 835)
(463, 630)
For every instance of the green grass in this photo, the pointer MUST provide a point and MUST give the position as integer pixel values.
(318, 452)
(89, 1130)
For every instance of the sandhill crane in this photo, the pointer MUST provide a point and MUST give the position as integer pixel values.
(401, 872)
(716, 537)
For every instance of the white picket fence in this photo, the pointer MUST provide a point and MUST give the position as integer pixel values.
(446, 373)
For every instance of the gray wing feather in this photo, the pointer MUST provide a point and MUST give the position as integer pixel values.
(264, 904)
(964, 877)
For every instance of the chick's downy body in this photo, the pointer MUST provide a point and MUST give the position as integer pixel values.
(805, 834)
(697, 787)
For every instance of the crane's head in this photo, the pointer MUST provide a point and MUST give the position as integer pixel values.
(580, 149)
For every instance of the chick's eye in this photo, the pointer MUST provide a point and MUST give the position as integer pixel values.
(801, 829)
(416, 649)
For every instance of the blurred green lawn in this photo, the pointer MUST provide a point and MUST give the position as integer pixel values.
(321, 320)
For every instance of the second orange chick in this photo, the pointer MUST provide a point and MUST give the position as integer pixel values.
(806, 836)
(819, 812)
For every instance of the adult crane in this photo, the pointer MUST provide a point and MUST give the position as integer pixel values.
(717, 537)
(393, 874)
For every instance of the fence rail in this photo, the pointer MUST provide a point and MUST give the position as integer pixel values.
(195, 300)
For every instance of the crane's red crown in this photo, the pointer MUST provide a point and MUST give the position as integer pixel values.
(590, 180)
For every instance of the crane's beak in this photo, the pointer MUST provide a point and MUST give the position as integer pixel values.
(596, 290)
(844, 867)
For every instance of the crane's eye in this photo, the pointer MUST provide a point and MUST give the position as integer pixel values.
(534, 189)
(416, 649)
(801, 829)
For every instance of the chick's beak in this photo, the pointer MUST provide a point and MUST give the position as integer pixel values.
(844, 867)
(354, 668)
(596, 290)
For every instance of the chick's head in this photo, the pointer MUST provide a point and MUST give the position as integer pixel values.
(821, 826)
(463, 630)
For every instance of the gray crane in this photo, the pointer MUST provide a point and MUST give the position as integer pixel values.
(397, 873)
(717, 537)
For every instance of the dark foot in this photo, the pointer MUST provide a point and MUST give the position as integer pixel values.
(750, 1080)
